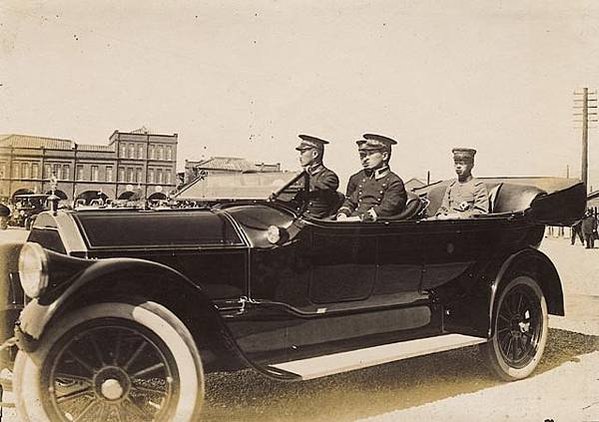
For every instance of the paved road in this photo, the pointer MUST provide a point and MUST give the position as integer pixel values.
(451, 386)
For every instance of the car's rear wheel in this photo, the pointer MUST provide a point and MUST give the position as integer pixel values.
(112, 361)
(520, 330)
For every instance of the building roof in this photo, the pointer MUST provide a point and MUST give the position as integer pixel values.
(95, 148)
(413, 183)
(226, 163)
(28, 141)
(142, 130)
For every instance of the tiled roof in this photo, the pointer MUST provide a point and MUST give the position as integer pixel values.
(27, 141)
(226, 163)
(95, 148)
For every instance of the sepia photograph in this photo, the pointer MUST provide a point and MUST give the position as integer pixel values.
(299, 210)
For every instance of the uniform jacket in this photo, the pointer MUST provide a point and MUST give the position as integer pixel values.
(322, 196)
(466, 198)
(380, 190)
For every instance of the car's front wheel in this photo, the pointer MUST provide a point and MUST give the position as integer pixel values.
(520, 330)
(112, 361)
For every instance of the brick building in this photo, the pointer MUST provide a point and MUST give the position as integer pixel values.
(137, 162)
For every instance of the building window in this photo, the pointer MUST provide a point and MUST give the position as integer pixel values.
(167, 176)
(132, 151)
(151, 152)
(15, 171)
(79, 172)
(169, 153)
(95, 174)
(66, 172)
(56, 170)
(25, 170)
(35, 171)
(129, 174)
(2, 171)
(47, 171)
(140, 152)
(138, 175)
(159, 174)
(121, 174)
(109, 173)
(151, 176)
(159, 154)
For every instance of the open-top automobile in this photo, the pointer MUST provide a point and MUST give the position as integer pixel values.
(128, 309)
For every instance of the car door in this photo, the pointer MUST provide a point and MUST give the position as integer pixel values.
(342, 260)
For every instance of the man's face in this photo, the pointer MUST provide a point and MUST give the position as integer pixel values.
(372, 159)
(463, 168)
(307, 156)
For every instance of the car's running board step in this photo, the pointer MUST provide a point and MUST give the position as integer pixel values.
(348, 361)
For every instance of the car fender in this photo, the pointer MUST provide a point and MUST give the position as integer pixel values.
(531, 262)
(132, 281)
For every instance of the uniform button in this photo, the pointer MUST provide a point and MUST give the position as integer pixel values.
(381, 191)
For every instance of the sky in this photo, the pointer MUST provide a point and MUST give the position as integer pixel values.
(244, 78)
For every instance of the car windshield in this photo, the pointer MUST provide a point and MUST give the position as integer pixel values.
(244, 186)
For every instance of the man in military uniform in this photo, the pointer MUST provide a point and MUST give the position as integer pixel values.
(375, 192)
(322, 195)
(465, 196)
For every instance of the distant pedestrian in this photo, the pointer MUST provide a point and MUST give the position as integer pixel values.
(577, 231)
(589, 229)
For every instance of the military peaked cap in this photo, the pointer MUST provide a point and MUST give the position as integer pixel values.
(373, 141)
(308, 142)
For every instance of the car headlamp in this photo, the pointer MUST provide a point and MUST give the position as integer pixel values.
(273, 234)
(33, 269)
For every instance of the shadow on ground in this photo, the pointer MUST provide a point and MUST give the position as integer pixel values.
(247, 396)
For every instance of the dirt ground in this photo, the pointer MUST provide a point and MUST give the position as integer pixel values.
(450, 386)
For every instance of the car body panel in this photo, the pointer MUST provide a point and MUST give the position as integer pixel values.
(321, 286)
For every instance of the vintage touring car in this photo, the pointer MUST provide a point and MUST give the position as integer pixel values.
(129, 309)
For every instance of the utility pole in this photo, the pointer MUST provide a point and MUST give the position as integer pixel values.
(585, 111)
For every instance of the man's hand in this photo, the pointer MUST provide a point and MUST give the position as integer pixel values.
(341, 217)
(370, 215)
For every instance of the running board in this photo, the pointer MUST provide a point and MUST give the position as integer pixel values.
(322, 366)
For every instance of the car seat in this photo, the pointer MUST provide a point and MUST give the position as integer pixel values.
(414, 205)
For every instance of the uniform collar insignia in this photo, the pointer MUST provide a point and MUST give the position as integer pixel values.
(382, 172)
(315, 169)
